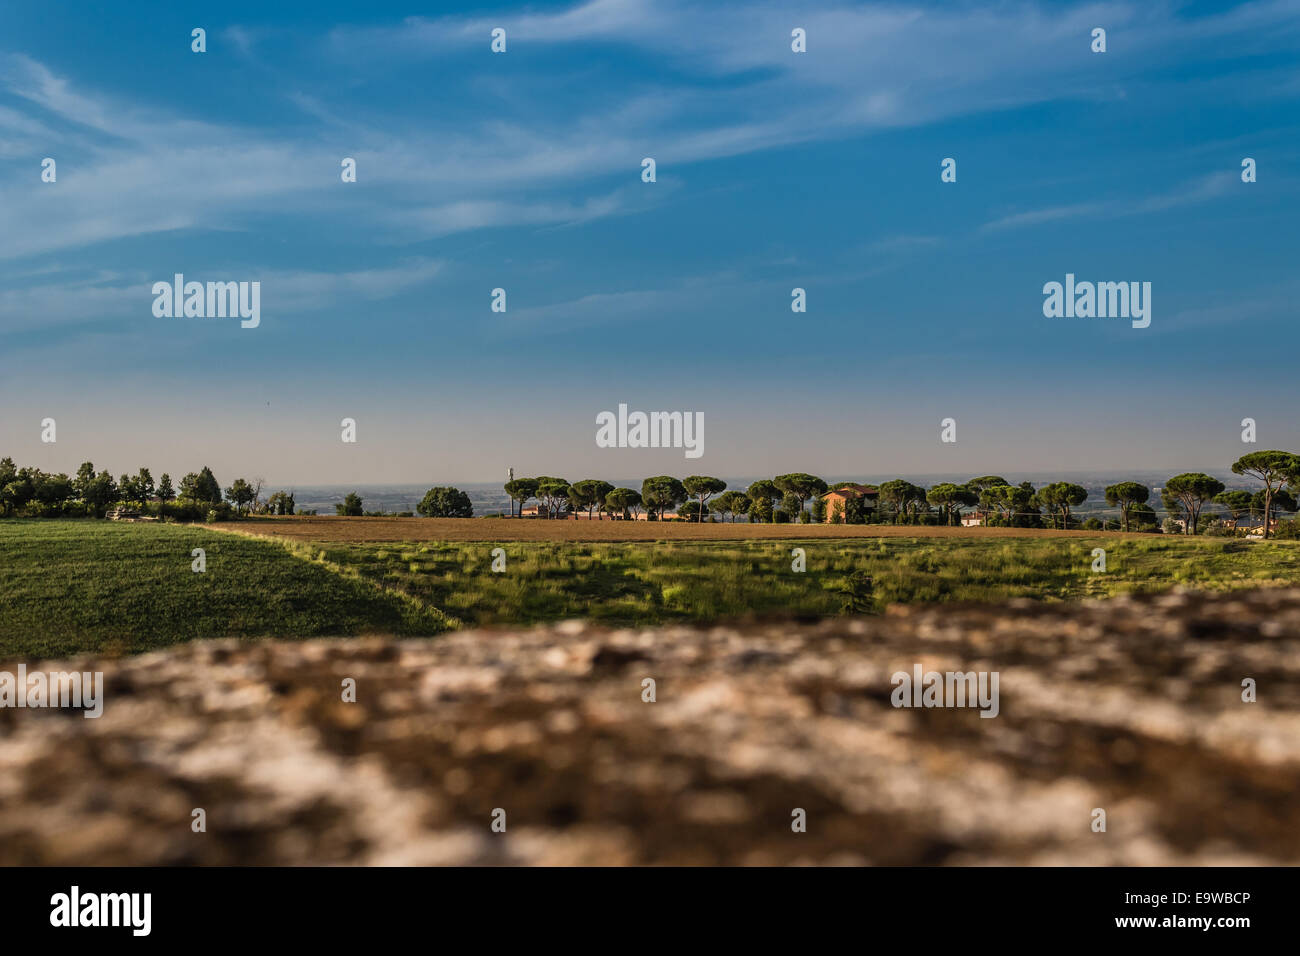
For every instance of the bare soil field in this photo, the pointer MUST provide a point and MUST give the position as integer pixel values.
(333, 528)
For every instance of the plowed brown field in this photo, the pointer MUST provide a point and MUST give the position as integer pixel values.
(333, 528)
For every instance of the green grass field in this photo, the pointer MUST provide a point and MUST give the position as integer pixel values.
(68, 586)
(643, 583)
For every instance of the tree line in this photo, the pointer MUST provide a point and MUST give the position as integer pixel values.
(998, 501)
(31, 492)
(691, 498)
(441, 502)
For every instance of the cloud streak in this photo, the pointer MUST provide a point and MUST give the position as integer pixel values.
(721, 82)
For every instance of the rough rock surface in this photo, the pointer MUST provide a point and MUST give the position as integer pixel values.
(1130, 705)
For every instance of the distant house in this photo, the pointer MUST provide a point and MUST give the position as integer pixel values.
(1253, 526)
(973, 519)
(540, 511)
(867, 494)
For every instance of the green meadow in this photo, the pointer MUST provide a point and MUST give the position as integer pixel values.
(68, 586)
(656, 582)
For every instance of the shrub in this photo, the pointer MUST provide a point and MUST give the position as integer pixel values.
(445, 503)
(857, 594)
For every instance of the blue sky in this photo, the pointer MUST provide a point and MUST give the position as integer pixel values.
(522, 170)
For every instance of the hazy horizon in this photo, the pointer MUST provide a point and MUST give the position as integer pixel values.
(274, 482)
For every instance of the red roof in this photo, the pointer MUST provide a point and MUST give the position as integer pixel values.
(852, 491)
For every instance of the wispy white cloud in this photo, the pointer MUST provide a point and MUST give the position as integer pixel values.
(872, 65)
(732, 87)
(300, 291)
(903, 243)
(1037, 217)
(1200, 190)
(631, 305)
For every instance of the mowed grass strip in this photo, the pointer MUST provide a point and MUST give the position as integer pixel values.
(659, 582)
(72, 586)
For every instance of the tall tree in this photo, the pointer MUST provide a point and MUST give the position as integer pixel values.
(351, 506)
(240, 494)
(693, 511)
(802, 486)
(280, 503)
(189, 489)
(1013, 502)
(100, 493)
(1270, 505)
(764, 494)
(201, 488)
(661, 493)
(553, 493)
(9, 496)
(986, 481)
(1125, 495)
(702, 488)
(992, 492)
(1191, 490)
(52, 490)
(951, 498)
(903, 496)
(731, 503)
(520, 490)
(622, 500)
(81, 484)
(589, 493)
(1273, 468)
(143, 486)
(1061, 496)
(165, 491)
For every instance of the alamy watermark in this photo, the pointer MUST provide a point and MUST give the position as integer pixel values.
(651, 430)
(213, 300)
(75, 908)
(1101, 300)
(84, 690)
(949, 689)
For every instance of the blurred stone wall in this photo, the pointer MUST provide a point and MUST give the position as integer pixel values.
(1133, 706)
